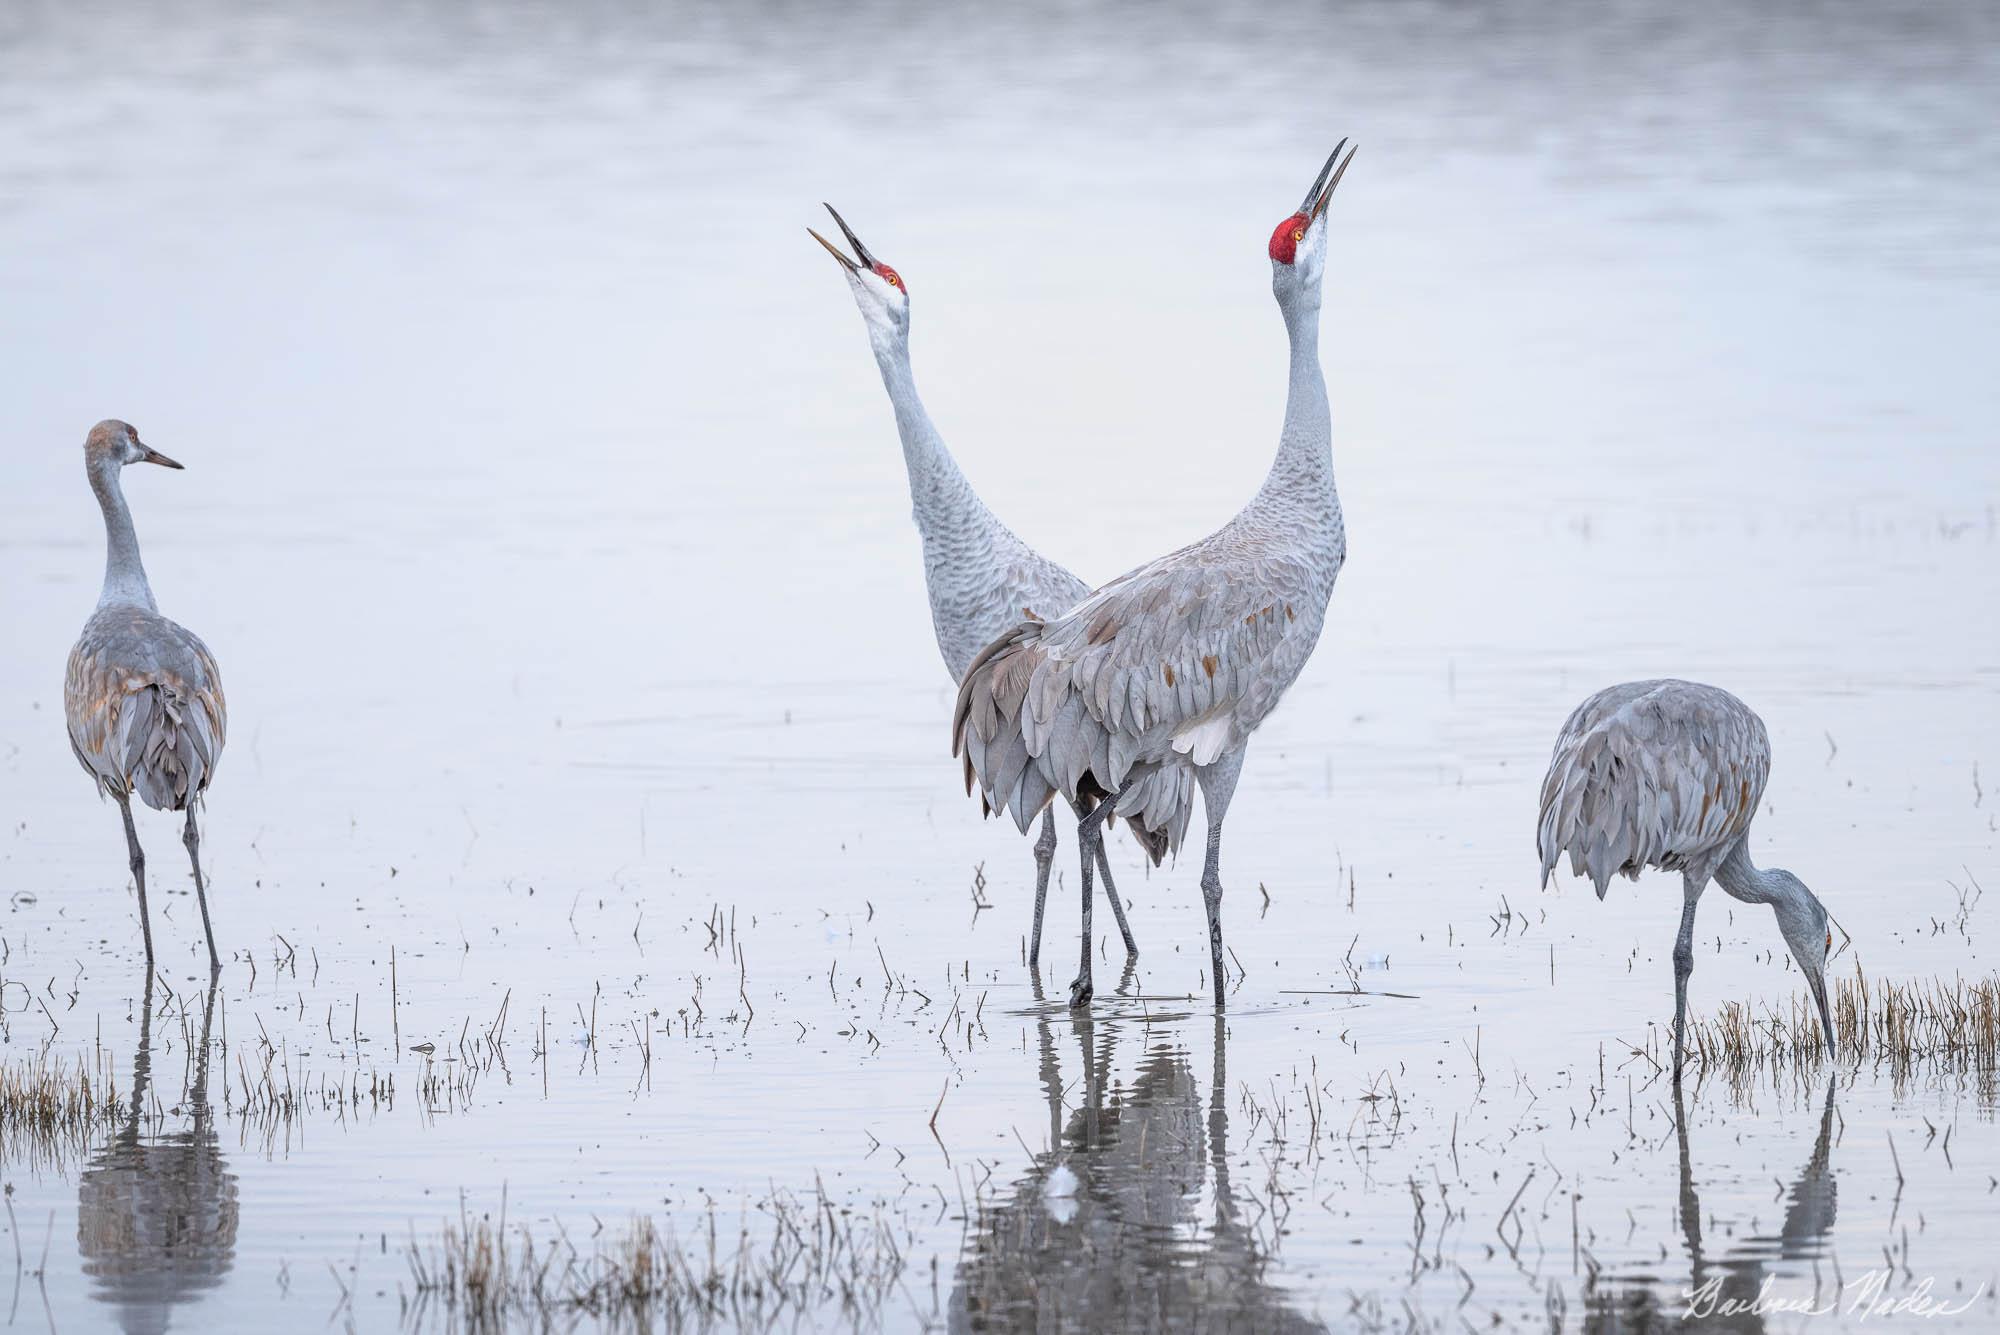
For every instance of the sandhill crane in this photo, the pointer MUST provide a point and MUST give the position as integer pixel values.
(1668, 774)
(980, 577)
(1153, 684)
(142, 695)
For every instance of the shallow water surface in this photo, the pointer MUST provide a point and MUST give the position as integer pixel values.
(588, 850)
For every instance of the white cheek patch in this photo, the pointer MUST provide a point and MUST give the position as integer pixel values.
(1312, 250)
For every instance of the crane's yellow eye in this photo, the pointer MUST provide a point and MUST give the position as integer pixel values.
(1298, 234)
(894, 281)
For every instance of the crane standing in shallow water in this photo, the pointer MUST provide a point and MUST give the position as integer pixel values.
(1668, 774)
(1153, 685)
(980, 577)
(142, 695)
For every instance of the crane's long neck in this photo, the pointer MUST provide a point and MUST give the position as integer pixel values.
(941, 500)
(1750, 883)
(1302, 474)
(124, 572)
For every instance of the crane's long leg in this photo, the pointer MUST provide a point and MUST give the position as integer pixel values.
(137, 861)
(1218, 786)
(192, 839)
(1089, 837)
(1045, 856)
(1110, 888)
(1684, 963)
(1080, 988)
(1117, 904)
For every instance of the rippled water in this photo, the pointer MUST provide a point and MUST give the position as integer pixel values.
(545, 516)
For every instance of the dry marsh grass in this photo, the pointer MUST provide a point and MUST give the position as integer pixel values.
(1948, 1024)
(790, 1260)
(51, 1110)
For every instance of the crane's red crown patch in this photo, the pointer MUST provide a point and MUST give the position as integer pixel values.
(1285, 241)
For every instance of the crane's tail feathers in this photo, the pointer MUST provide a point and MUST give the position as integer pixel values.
(985, 731)
(1159, 799)
(1596, 808)
(165, 746)
(1024, 737)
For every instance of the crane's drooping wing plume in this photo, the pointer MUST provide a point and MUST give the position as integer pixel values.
(1652, 774)
(1183, 656)
(145, 707)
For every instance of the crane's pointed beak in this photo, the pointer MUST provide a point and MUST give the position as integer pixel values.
(1319, 181)
(865, 260)
(861, 252)
(1818, 984)
(149, 455)
(1326, 193)
(834, 251)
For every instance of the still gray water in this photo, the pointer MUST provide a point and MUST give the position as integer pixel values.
(588, 848)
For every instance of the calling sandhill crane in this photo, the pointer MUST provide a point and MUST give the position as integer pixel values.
(1153, 684)
(980, 577)
(142, 695)
(1668, 774)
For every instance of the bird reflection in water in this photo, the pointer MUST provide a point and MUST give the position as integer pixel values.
(1104, 1232)
(1725, 1289)
(156, 1214)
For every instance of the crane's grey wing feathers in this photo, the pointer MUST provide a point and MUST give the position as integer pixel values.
(1173, 647)
(143, 699)
(1662, 773)
(1181, 657)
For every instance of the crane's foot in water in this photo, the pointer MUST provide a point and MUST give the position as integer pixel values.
(1080, 992)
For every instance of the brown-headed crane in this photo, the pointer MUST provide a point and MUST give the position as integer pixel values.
(142, 696)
